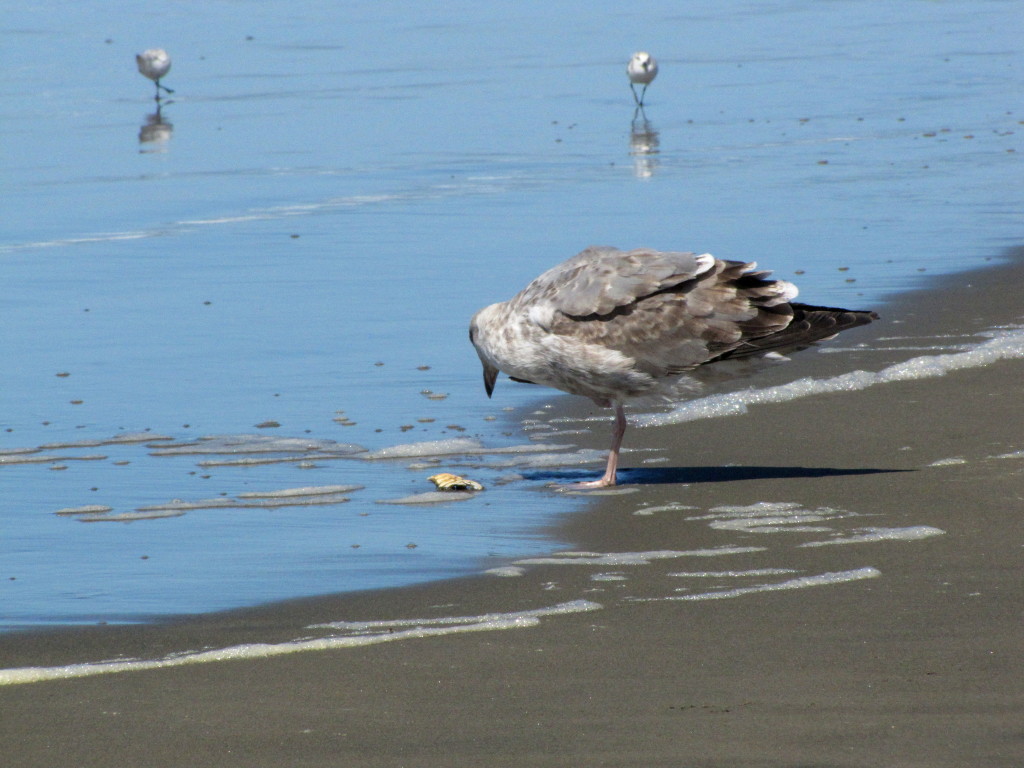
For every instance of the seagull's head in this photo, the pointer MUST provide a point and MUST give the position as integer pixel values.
(479, 337)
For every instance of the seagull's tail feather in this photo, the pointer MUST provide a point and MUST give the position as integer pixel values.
(810, 324)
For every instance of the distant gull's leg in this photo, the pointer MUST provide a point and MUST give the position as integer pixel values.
(633, 89)
(613, 455)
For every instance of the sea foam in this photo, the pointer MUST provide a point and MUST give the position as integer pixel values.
(1003, 345)
(355, 634)
(801, 582)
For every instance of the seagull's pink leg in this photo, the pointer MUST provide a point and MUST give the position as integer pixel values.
(613, 455)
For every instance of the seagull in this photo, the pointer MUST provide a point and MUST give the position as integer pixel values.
(642, 69)
(154, 64)
(617, 325)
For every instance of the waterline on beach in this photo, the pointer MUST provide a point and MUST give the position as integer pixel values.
(360, 634)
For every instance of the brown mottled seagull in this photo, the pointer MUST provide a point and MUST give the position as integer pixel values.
(616, 325)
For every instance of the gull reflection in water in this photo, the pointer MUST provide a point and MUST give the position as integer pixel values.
(155, 133)
(643, 145)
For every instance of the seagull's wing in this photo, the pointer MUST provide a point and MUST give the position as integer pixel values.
(601, 279)
(668, 312)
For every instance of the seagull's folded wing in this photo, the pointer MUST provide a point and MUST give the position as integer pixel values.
(667, 311)
(600, 278)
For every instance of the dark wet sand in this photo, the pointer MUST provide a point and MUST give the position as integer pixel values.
(921, 667)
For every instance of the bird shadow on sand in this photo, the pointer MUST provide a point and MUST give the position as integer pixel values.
(691, 475)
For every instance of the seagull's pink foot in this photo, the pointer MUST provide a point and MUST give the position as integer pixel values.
(588, 485)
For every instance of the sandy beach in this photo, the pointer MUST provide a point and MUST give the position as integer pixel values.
(895, 653)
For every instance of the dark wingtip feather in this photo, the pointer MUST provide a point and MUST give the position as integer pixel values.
(810, 324)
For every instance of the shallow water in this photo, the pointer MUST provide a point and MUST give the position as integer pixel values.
(300, 237)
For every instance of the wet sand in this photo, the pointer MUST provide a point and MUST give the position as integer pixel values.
(918, 666)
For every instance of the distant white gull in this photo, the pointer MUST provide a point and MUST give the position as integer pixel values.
(154, 63)
(642, 69)
(616, 325)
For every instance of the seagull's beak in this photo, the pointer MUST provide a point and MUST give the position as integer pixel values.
(490, 376)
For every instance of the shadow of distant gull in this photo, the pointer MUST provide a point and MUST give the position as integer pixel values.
(691, 475)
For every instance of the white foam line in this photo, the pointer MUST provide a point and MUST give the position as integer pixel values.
(88, 509)
(771, 517)
(757, 509)
(309, 490)
(46, 458)
(17, 451)
(129, 517)
(631, 558)
(180, 505)
(951, 461)
(821, 579)
(253, 444)
(312, 498)
(253, 462)
(527, 448)
(456, 446)
(135, 437)
(558, 433)
(787, 524)
(573, 606)
(421, 628)
(99, 238)
(674, 506)
(1005, 345)
(471, 187)
(431, 497)
(449, 447)
(616, 491)
(506, 572)
(913, 533)
(543, 459)
(731, 574)
(1011, 455)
